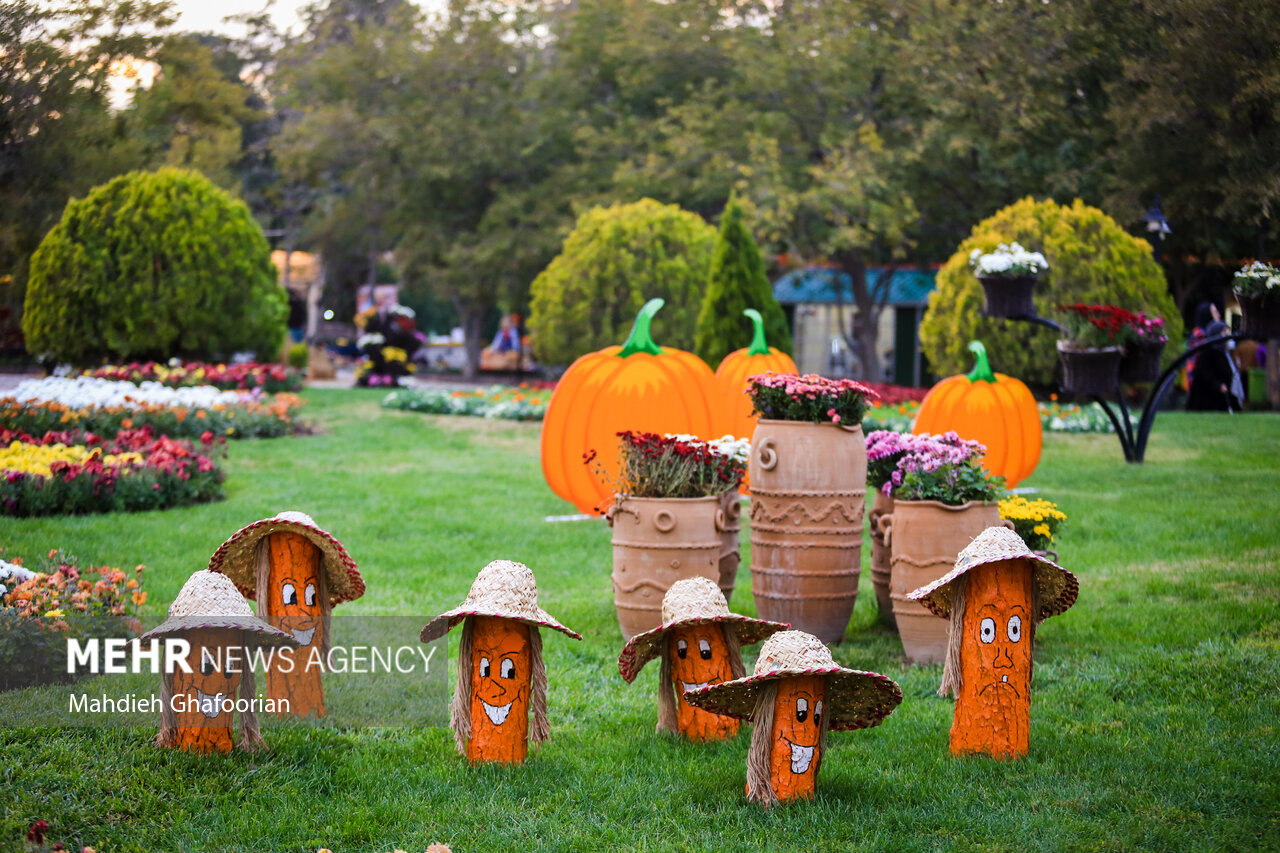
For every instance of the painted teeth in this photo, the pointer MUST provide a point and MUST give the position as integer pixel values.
(1005, 679)
(304, 637)
(801, 757)
(496, 714)
(210, 706)
(698, 686)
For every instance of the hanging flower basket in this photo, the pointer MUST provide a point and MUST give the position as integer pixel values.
(1140, 361)
(1260, 314)
(1009, 296)
(1093, 371)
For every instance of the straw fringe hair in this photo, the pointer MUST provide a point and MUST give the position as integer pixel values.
(460, 710)
(952, 677)
(262, 588)
(667, 698)
(541, 728)
(250, 731)
(168, 734)
(759, 784)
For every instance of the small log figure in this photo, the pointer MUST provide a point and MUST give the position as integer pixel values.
(995, 597)
(502, 679)
(699, 642)
(796, 695)
(198, 706)
(297, 573)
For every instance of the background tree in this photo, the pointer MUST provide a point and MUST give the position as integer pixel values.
(616, 259)
(152, 265)
(737, 282)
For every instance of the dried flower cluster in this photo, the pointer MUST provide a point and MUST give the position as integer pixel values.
(811, 398)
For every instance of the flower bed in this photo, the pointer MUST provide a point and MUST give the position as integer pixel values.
(106, 407)
(77, 472)
(271, 378)
(524, 403)
(1036, 521)
(39, 611)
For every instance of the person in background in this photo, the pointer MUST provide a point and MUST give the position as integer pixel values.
(1215, 382)
(1206, 313)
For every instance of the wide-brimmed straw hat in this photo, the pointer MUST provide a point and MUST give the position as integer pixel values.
(210, 600)
(1056, 588)
(503, 588)
(237, 558)
(854, 699)
(692, 601)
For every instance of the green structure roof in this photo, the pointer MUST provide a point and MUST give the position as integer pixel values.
(817, 284)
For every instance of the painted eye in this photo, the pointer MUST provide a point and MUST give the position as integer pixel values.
(1015, 628)
(310, 594)
(507, 668)
(802, 709)
(206, 663)
(987, 631)
(704, 649)
(484, 667)
(682, 649)
(817, 713)
(290, 594)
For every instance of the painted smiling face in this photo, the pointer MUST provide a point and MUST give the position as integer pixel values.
(993, 709)
(699, 656)
(294, 606)
(501, 674)
(797, 728)
(201, 710)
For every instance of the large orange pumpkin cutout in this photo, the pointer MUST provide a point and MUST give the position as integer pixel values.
(637, 386)
(699, 642)
(995, 597)
(991, 408)
(797, 693)
(198, 704)
(737, 418)
(502, 679)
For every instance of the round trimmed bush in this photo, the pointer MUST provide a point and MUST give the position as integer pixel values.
(616, 259)
(153, 265)
(1091, 259)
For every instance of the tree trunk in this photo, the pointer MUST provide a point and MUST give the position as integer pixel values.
(863, 337)
(314, 291)
(472, 323)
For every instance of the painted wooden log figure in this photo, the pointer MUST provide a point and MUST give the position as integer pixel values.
(198, 707)
(699, 643)
(502, 680)
(795, 696)
(297, 573)
(995, 597)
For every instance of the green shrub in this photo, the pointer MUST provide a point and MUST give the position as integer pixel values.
(299, 356)
(616, 259)
(1091, 259)
(153, 265)
(737, 282)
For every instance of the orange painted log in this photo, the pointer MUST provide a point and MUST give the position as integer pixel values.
(501, 679)
(699, 656)
(797, 726)
(993, 710)
(203, 721)
(294, 606)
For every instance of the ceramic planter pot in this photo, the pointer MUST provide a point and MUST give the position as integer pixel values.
(925, 538)
(656, 542)
(1093, 371)
(731, 506)
(808, 488)
(880, 557)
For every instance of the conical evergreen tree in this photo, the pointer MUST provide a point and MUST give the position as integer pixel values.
(737, 281)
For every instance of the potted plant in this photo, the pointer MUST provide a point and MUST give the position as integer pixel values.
(1008, 276)
(1144, 341)
(1257, 289)
(884, 449)
(1090, 353)
(808, 474)
(1036, 521)
(667, 520)
(739, 450)
(942, 499)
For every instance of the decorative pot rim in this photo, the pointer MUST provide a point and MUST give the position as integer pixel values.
(855, 428)
(940, 505)
(1031, 277)
(621, 497)
(1069, 346)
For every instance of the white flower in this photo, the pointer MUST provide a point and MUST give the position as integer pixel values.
(9, 571)
(84, 392)
(370, 339)
(1007, 260)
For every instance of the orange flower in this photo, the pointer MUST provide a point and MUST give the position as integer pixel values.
(1053, 397)
(140, 597)
(202, 414)
(127, 423)
(535, 401)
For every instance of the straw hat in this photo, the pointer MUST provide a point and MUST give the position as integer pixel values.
(210, 600)
(237, 558)
(1056, 587)
(692, 601)
(503, 588)
(855, 699)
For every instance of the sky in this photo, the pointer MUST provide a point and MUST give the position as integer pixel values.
(207, 15)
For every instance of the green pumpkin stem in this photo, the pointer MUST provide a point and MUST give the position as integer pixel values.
(981, 367)
(640, 339)
(758, 344)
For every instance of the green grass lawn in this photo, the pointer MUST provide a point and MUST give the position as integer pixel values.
(1155, 724)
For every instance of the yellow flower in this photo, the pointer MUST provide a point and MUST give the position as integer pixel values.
(54, 614)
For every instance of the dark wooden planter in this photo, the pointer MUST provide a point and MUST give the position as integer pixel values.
(1009, 296)
(1089, 371)
(1260, 315)
(1140, 361)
